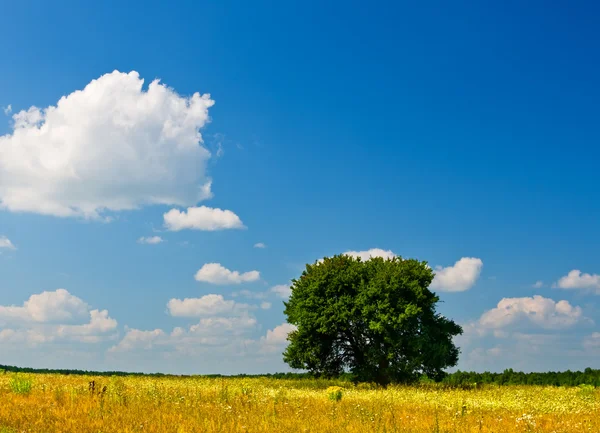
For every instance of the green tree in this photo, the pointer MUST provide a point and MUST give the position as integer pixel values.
(375, 319)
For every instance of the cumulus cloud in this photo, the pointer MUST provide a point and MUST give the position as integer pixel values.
(215, 273)
(275, 338)
(578, 280)
(46, 307)
(138, 339)
(52, 316)
(458, 278)
(112, 146)
(373, 252)
(209, 332)
(538, 285)
(150, 240)
(6, 243)
(7, 110)
(208, 305)
(202, 218)
(259, 245)
(537, 310)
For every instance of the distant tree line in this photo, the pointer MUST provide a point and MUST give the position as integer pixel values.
(509, 377)
(459, 378)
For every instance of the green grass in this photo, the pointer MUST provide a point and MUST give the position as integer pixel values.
(20, 385)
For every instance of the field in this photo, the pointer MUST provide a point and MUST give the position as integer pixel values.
(82, 404)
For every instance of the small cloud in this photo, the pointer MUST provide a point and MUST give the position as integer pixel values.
(7, 110)
(208, 305)
(458, 278)
(578, 280)
(260, 245)
(538, 285)
(265, 305)
(215, 273)
(202, 218)
(6, 243)
(150, 240)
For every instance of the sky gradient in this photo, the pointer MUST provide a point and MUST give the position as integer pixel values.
(165, 171)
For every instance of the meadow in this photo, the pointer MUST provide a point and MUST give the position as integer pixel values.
(95, 404)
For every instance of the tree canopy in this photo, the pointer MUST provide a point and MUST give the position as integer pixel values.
(376, 319)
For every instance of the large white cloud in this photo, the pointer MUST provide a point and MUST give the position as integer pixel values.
(458, 278)
(6, 243)
(537, 310)
(208, 305)
(46, 307)
(54, 316)
(578, 280)
(109, 147)
(215, 273)
(202, 218)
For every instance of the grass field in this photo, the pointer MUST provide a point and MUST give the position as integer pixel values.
(55, 403)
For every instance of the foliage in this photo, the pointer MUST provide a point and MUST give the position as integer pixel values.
(89, 404)
(374, 318)
(334, 393)
(20, 384)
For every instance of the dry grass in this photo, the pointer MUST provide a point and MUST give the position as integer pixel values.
(142, 404)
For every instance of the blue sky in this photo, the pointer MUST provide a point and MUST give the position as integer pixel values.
(436, 131)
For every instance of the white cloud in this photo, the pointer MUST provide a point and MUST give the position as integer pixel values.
(208, 305)
(138, 339)
(373, 252)
(458, 278)
(282, 290)
(578, 280)
(7, 110)
(215, 273)
(275, 338)
(209, 333)
(265, 305)
(542, 312)
(6, 243)
(100, 323)
(538, 285)
(109, 147)
(202, 218)
(52, 316)
(259, 245)
(150, 240)
(46, 307)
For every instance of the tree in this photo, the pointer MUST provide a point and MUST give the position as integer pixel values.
(375, 319)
